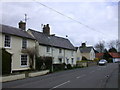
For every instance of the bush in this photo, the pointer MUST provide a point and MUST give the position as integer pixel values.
(69, 66)
(43, 63)
(59, 67)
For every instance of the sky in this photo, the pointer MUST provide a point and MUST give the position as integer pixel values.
(88, 22)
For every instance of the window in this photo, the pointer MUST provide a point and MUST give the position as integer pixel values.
(23, 60)
(67, 61)
(47, 49)
(60, 60)
(78, 58)
(72, 60)
(60, 50)
(72, 53)
(7, 41)
(24, 43)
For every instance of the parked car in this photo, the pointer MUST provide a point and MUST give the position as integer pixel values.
(102, 62)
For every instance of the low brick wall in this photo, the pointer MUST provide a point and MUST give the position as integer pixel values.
(22, 76)
(32, 74)
(86, 64)
(82, 64)
(92, 63)
(13, 77)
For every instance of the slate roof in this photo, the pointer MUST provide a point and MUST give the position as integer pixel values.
(85, 49)
(54, 41)
(14, 31)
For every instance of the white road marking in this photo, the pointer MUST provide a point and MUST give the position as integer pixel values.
(60, 85)
(80, 76)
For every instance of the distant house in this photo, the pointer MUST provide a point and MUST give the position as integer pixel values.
(115, 56)
(99, 55)
(87, 52)
(78, 54)
(61, 49)
(14, 40)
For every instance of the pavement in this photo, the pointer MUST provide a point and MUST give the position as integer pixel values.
(89, 77)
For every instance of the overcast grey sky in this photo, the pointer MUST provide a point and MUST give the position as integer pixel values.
(102, 16)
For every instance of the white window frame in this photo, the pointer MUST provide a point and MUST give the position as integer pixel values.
(72, 60)
(24, 44)
(60, 60)
(48, 49)
(72, 53)
(21, 61)
(9, 41)
(60, 50)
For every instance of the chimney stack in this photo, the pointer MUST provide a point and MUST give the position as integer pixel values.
(22, 25)
(46, 29)
(83, 45)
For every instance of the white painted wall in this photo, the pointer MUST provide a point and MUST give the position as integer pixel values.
(15, 50)
(92, 54)
(78, 55)
(66, 54)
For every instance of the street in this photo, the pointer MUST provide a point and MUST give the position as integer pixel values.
(88, 77)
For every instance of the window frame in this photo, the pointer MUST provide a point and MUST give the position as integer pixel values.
(72, 60)
(21, 61)
(60, 50)
(48, 49)
(24, 43)
(8, 42)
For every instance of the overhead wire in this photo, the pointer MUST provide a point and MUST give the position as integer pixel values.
(87, 26)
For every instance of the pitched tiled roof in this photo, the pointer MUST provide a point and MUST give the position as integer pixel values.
(99, 55)
(14, 31)
(115, 55)
(49, 40)
(85, 49)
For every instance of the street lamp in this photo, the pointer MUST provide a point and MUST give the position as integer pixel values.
(51, 52)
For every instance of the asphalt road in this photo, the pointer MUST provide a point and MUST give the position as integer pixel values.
(89, 77)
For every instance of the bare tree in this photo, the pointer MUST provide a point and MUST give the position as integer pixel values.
(114, 44)
(31, 52)
(100, 46)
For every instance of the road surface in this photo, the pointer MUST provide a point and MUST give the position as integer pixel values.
(89, 77)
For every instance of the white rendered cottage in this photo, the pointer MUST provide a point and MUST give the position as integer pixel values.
(59, 48)
(14, 40)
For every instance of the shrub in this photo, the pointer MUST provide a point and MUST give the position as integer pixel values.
(69, 66)
(43, 63)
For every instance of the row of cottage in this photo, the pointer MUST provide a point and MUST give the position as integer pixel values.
(14, 40)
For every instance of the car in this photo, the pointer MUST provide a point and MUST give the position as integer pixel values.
(102, 62)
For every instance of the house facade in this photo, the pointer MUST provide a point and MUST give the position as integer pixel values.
(115, 56)
(78, 54)
(59, 48)
(14, 40)
(87, 52)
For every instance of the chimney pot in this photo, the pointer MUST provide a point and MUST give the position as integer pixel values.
(22, 25)
(46, 29)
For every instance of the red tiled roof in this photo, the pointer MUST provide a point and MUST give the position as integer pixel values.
(115, 55)
(99, 55)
